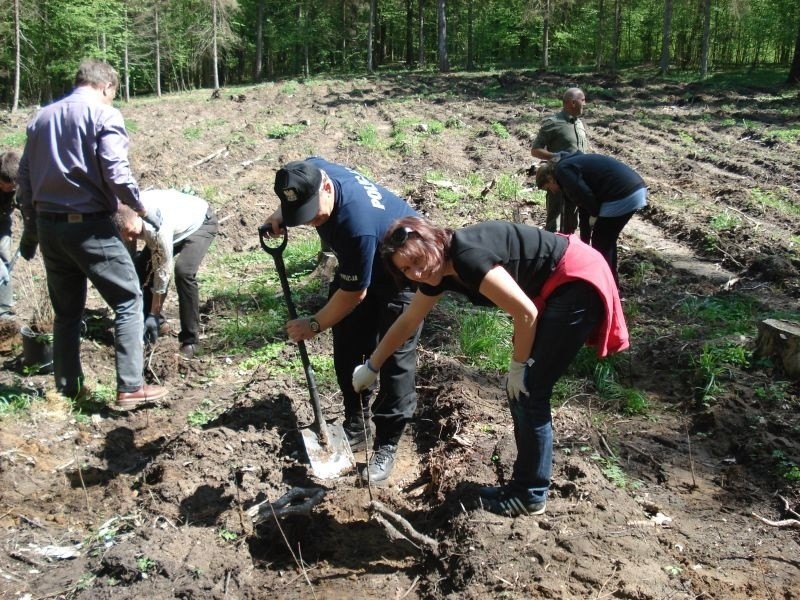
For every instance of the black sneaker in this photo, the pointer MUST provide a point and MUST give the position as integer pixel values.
(354, 431)
(505, 501)
(380, 464)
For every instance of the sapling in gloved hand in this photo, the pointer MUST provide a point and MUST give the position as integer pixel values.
(364, 376)
(153, 217)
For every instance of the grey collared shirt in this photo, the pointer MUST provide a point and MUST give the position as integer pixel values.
(76, 158)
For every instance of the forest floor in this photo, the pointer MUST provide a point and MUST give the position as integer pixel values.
(649, 504)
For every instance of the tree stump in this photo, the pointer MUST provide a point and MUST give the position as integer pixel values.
(780, 340)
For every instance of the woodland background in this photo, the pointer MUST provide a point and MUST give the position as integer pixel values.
(174, 45)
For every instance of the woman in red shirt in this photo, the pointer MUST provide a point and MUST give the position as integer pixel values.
(560, 294)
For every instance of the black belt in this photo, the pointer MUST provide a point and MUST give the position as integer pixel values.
(58, 217)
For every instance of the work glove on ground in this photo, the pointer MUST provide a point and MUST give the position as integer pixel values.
(515, 384)
(364, 376)
(27, 244)
(153, 217)
(151, 329)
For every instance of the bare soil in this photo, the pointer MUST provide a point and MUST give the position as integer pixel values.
(143, 504)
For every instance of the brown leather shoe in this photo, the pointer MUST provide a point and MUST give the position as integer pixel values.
(144, 395)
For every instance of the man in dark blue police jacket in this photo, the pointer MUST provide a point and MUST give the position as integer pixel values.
(351, 214)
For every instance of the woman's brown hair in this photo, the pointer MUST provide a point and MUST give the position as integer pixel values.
(415, 238)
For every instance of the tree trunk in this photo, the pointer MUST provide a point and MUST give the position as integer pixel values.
(598, 42)
(470, 37)
(706, 37)
(663, 63)
(371, 34)
(258, 63)
(617, 34)
(214, 54)
(17, 60)
(794, 71)
(409, 34)
(546, 36)
(421, 33)
(444, 65)
(158, 52)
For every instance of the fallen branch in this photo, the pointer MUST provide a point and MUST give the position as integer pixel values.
(793, 523)
(406, 530)
(782, 523)
(209, 157)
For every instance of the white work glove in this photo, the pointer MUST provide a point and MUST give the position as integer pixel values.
(364, 376)
(592, 221)
(5, 276)
(515, 385)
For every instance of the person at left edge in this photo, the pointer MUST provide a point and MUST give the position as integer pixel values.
(9, 165)
(351, 214)
(73, 172)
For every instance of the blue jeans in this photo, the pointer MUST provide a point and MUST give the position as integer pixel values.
(74, 253)
(6, 254)
(572, 312)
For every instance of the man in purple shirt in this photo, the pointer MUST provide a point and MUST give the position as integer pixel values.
(73, 172)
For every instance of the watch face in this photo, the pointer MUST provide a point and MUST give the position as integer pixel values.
(314, 324)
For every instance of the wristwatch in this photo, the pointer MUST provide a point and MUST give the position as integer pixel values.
(314, 325)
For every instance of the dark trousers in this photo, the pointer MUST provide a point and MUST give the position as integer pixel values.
(572, 311)
(605, 234)
(188, 254)
(91, 250)
(562, 213)
(354, 339)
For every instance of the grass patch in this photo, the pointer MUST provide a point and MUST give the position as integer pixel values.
(192, 133)
(367, 136)
(14, 140)
(14, 400)
(726, 221)
(290, 88)
(279, 132)
(202, 415)
(771, 200)
(789, 135)
(499, 130)
(484, 337)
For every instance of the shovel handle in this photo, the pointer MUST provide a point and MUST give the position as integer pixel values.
(266, 229)
(277, 255)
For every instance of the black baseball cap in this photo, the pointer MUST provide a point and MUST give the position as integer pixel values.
(297, 185)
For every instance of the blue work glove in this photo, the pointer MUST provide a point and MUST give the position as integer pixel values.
(153, 217)
(5, 276)
(515, 385)
(151, 329)
(27, 244)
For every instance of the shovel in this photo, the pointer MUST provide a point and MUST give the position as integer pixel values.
(326, 445)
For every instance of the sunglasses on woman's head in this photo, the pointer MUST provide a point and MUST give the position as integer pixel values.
(396, 239)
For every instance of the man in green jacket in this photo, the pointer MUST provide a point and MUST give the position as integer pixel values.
(562, 132)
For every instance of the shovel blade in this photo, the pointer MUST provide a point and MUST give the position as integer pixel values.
(330, 460)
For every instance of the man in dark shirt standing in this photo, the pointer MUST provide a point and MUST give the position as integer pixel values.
(562, 132)
(73, 171)
(351, 214)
